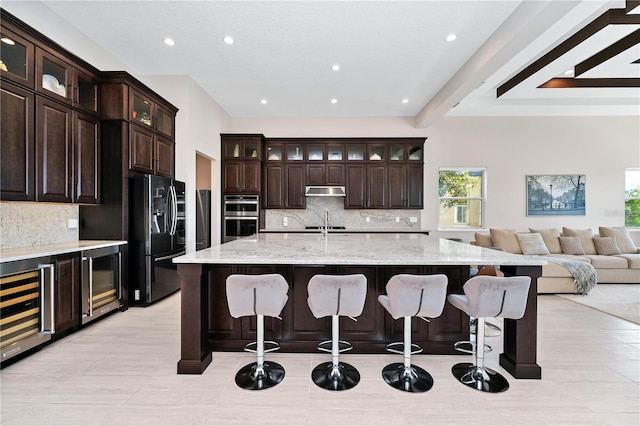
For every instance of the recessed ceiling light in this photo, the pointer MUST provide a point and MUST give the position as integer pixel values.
(334, 101)
(451, 37)
(568, 72)
(169, 42)
(263, 101)
(405, 100)
(335, 67)
(7, 40)
(228, 40)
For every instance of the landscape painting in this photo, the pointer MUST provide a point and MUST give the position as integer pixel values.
(556, 195)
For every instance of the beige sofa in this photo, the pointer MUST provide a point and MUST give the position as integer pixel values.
(611, 252)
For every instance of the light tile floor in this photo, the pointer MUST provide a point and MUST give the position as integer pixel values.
(122, 371)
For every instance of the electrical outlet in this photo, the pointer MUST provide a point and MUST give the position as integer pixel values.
(413, 219)
(136, 294)
(367, 219)
(285, 221)
(72, 223)
(397, 219)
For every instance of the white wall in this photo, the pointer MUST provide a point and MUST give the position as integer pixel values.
(510, 148)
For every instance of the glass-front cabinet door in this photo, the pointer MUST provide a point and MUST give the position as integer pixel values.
(415, 152)
(376, 152)
(86, 91)
(295, 152)
(396, 152)
(164, 122)
(53, 76)
(274, 153)
(334, 152)
(16, 58)
(315, 153)
(355, 152)
(141, 109)
(251, 149)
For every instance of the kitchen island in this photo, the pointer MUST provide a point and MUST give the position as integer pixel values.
(206, 325)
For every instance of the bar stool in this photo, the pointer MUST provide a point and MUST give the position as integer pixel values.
(335, 296)
(258, 295)
(488, 296)
(409, 296)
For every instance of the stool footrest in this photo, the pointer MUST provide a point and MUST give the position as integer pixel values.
(274, 346)
(415, 349)
(346, 346)
(457, 346)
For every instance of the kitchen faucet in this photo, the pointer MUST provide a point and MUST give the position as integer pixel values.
(326, 223)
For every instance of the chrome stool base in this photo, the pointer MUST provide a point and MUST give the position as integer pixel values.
(414, 379)
(484, 380)
(248, 377)
(343, 378)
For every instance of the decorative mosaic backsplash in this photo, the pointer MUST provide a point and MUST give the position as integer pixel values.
(313, 215)
(24, 224)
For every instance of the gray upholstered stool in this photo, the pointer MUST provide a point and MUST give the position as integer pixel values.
(412, 296)
(487, 296)
(335, 296)
(258, 295)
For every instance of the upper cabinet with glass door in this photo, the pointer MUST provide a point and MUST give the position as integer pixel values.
(16, 58)
(66, 83)
(405, 152)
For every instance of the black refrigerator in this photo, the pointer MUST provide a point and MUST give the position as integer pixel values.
(157, 235)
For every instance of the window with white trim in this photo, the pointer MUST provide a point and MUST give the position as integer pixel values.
(461, 194)
(632, 198)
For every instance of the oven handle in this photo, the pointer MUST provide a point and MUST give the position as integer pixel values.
(241, 218)
(51, 298)
(171, 256)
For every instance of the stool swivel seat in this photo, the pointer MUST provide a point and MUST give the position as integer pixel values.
(335, 296)
(488, 296)
(258, 295)
(410, 296)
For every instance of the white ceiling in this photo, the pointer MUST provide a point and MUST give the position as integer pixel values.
(387, 51)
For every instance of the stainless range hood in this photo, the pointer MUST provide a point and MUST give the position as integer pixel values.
(325, 191)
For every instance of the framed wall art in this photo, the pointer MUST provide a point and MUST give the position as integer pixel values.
(556, 195)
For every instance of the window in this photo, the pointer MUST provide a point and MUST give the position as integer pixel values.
(632, 198)
(461, 195)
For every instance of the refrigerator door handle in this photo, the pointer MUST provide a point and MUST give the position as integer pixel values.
(174, 209)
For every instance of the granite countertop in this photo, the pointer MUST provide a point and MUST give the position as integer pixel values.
(352, 249)
(347, 231)
(21, 253)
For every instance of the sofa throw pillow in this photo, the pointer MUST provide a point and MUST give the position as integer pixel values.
(483, 240)
(550, 237)
(606, 246)
(532, 244)
(621, 234)
(571, 245)
(586, 238)
(505, 239)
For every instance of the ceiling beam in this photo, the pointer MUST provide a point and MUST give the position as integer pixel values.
(523, 26)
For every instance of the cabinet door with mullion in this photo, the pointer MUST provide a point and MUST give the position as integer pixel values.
(54, 77)
(18, 59)
(53, 151)
(18, 143)
(86, 156)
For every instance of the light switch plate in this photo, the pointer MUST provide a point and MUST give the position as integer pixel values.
(413, 219)
(72, 223)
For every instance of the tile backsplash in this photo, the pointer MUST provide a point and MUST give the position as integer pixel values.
(313, 215)
(24, 224)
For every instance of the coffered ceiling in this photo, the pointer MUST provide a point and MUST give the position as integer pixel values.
(388, 51)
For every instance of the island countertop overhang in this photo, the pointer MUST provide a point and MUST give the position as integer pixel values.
(352, 249)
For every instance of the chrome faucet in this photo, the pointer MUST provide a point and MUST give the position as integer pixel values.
(326, 223)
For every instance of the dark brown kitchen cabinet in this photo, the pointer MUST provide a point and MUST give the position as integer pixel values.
(242, 147)
(164, 156)
(17, 59)
(325, 174)
(415, 184)
(241, 177)
(405, 186)
(294, 186)
(86, 159)
(67, 154)
(65, 82)
(17, 149)
(53, 151)
(141, 149)
(273, 192)
(377, 192)
(356, 181)
(66, 294)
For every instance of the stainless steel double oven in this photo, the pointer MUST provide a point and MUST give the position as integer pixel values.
(241, 216)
